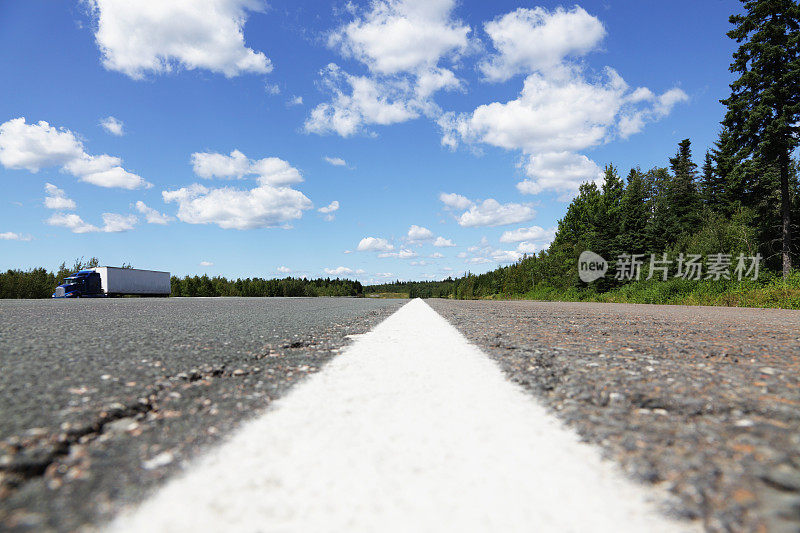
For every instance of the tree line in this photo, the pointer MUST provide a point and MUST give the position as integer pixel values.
(41, 283)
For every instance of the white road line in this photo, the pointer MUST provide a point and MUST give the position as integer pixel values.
(410, 429)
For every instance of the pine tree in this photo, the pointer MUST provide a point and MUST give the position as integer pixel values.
(764, 106)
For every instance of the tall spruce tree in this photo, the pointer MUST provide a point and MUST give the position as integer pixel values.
(683, 199)
(608, 215)
(634, 216)
(764, 106)
(712, 188)
(726, 158)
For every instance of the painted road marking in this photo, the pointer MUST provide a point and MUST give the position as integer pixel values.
(410, 429)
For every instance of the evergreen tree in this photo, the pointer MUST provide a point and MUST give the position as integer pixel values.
(764, 106)
(712, 188)
(683, 200)
(634, 216)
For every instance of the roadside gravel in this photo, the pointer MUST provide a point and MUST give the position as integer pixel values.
(702, 401)
(103, 399)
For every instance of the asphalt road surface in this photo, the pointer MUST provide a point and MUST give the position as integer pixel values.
(702, 401)
(103, 399)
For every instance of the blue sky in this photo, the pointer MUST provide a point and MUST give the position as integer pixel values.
(223, 113)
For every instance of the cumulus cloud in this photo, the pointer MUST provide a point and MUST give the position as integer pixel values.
(405, 253)
(401, 43)
(489, 212)
(374, 244)
(536, 39)
(339, 271)
(113, 126)
(206, 263)
(264, 206)
(562, 172)
(455, 201)
(37, 146)
(562, 108)
(329, 210)
(335, 161)
(356, 101)
(441, 242)
(11, 236)
(295, 100)
(269, 171)
(533, 233)
(153, 216)
(419, 234)
(397, 36)
(153, 36)
(484, 252)
(284, 270)
(57, 199)
(112, 223)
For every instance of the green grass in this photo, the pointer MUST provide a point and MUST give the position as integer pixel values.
(768, 291)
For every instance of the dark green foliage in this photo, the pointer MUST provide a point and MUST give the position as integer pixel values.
(634, 216)
(764, 107)
(39, 283)
(190, 286)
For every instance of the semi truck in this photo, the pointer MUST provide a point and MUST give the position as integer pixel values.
(113, 281)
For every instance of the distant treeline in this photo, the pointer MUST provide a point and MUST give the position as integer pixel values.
(40, 283)
(219, 286)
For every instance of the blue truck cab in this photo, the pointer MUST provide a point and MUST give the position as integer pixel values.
(81, 284)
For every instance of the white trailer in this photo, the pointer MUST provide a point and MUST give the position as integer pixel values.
(120, 281)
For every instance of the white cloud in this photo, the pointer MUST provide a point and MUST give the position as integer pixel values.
(262, 207)
(295, 100)
(484, 252)
(284, 270)
(356, 101)
(405, 253)
(151, 215)
(441, 242)
(335, 161)
(455, 201)
(115, 223)
(490, 212)
(57, 199)
(401, 42)
(374, 244)
(329, 210)
(562, 108)
(534, 233)
(537, 39)
(419, 233)
(112, 223)
(268, 171)
(398, 36)
(37, 146)
(206, 264)
(562, 172)
(154, 36)
(272, 89)
(436, 255)
(113, 126)
(339, 271)
(529, 248)
(11, 236)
